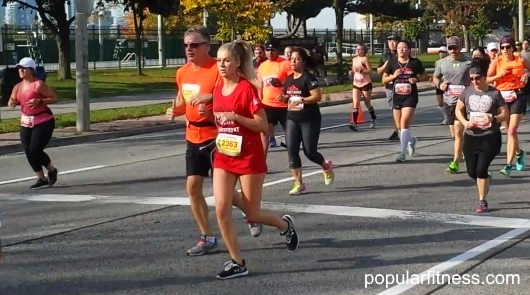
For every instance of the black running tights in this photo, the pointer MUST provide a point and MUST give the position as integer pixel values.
(308, 133)
(34, 140)
(479, 152)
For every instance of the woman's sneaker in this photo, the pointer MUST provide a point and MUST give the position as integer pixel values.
(482, 207)
(291, 236)
(329, 176)
(232, 270)
(298, 189)
(41, 183)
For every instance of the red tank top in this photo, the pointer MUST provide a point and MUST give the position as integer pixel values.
(239, 149)
(36, 115)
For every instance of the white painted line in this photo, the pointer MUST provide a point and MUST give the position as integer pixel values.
(60, 173)
(453, 262)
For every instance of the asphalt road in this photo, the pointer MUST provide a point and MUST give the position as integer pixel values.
(117, 222)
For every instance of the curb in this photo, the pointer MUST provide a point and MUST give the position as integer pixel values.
(79, 139)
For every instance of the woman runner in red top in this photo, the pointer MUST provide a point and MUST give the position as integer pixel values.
(241, 118)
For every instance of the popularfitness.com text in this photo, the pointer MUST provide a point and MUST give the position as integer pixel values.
(437, 278)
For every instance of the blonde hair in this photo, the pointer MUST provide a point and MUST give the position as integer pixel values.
(242, 51)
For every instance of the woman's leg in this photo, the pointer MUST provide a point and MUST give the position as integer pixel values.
(367, 93)
(356, 96)
(293, 138)
(490, 148)
(310, 137)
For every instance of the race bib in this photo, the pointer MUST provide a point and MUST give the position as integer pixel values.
(298, 107)
(358, 77)
(403, 88)
(480, 120)
(229, 144)
(455, 90)
(267, 80)
(509, 96)
(190, 90)
(27, 121)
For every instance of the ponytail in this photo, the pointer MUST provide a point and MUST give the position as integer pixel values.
(241, 51)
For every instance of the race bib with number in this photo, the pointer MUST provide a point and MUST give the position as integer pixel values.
(27, 121)
(403, 88)
(190, 90)
(509, 96)
(267, 80)
(298, 107)
(455, 90)
(480, 120)
(229, 144)
(358, 77)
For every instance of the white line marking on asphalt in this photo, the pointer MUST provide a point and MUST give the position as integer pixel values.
(60, 173)
(453, 262)
(378, 213)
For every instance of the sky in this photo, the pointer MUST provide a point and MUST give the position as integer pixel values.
(325, 20)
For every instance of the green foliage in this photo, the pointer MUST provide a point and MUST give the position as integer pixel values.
(481, 24)
(138, 7)
(412, 29)
(392, 8)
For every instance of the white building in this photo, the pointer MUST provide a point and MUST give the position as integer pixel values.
(14, 15)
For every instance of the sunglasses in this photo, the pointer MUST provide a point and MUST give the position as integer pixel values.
(193, 45)
(453, 47)
(476, 78)
(506, 47)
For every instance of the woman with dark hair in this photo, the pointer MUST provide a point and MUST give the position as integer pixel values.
(304, 119)
(480, 109)
(480, 52)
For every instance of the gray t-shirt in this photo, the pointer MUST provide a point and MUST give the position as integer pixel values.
(525, 54)
(479, 106)
(456, 73)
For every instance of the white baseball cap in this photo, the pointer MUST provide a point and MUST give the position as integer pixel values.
(492, 46)
(27, 62)
(442, 49)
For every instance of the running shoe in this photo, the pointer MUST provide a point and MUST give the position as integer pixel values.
(520, 163)
(254, 228)
(394, 136)
(232, 270)
(272, 142)
(411, 147)
(39, 184)
(372, 124)
(353, 127)
(453, 167)
(298, 189)
(329, 176)
(52, 177)
(401, 157)
(506, 171)
(291, 236)
(204, 247)
(482, 207)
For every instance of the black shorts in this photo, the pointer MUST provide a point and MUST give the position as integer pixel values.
(439, 91)
(199, 158)
(399, 103)
(276, 115)
(450, 111)
(518, 106)
(367, 87)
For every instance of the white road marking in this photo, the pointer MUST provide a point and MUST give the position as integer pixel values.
(60, 173)
(453, 262)
(470, 220)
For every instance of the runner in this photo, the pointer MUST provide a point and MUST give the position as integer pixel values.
(259, 55)
(479, 52)
(442, 52)
(196, 81)
(383, 62)
(287, 52)
(493, 50)
(508, 73)
(362, 85)
(480, 109)
(451, 76)
(36, 122)
(304, 120)
(240, 156)
(404, 72)
(273, 73)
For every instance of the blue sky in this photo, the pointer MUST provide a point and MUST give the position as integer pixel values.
(325, 20)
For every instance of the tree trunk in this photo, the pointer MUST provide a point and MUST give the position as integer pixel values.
(465, 32)
(304, 27)
(339, 21)
(293, 24)
(515, 26)
(138, 44)
(63, 44)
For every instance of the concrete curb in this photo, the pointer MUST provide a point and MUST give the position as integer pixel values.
(79, 139)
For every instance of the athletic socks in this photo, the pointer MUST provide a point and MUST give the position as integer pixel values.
(355, 115)
(405, 138)
(444, 113)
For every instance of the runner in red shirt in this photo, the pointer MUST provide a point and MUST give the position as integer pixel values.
(240, 118)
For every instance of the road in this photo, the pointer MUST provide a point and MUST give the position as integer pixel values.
(118, 220)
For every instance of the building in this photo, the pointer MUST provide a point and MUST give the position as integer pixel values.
(14, 15)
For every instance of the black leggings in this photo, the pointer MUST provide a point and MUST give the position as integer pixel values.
(479, 152)
(307, 133)
(34, 140)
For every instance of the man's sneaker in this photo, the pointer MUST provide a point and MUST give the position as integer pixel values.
(272, 142)
(444, 122)
(394, 136)
(298, 189)
(482, 207)
(506, 171)
(453, 167)
(520, 161)
(329, 176)
(291, 237)
(411, 147)
(232, 270)
(41, 183)
(254, 228)
(52, 177)
(204, 247)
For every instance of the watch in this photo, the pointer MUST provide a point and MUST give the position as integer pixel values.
(302, 100)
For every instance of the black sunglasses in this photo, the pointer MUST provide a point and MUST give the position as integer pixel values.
(506, 47)
(476, 78)
(193, 45)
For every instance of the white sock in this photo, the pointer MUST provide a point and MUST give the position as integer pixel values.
(405, 138)
(444, 113)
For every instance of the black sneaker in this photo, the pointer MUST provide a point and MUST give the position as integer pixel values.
(291, 237)
(41, 183)
(232, 270)
(394, 136)
(353, 127)
(52, 177)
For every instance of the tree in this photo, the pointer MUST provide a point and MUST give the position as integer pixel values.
(412, 29)
(481, 26)
(139, 10)
(299, 11)
(172, 23)
(54, 18)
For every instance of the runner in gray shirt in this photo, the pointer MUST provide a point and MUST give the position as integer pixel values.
(451, 75)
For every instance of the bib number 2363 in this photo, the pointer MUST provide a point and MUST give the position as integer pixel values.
(27, 121)
(403, 88)
(229, 144)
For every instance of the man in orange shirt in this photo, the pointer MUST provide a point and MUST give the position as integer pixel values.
(272, 73)
(196, 81)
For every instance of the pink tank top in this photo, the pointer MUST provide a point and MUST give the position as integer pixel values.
(32, 116)
(360, 79)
